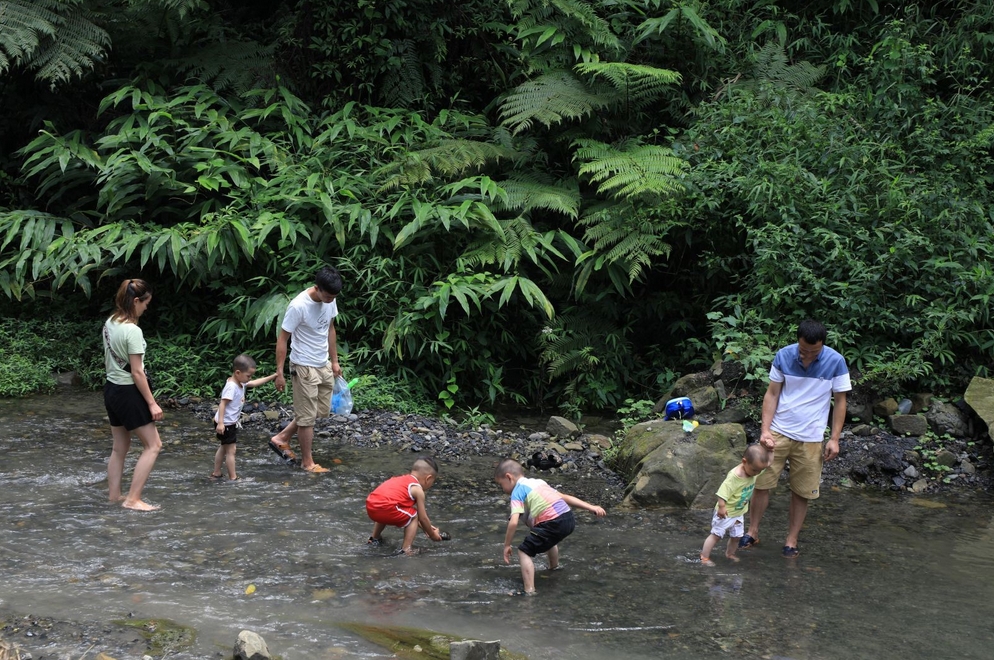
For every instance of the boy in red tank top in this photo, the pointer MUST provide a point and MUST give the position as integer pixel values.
(399, 501)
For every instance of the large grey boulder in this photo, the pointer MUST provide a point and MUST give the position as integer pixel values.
(640, 441)
(947, 419)
(685, 469)
(704, 400)
(472, 649)
(980, 396)
(251, 646)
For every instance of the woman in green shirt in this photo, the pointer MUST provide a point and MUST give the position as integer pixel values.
(131, 407)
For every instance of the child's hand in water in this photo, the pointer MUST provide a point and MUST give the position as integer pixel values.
(507, 554)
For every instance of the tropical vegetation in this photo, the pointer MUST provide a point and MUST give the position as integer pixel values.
(559, 203)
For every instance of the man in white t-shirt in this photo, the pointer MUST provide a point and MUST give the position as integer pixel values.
(804, 380)
(309, 326)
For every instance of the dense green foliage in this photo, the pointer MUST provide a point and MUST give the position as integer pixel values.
(551, 202)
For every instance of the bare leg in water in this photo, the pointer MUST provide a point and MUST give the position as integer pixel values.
(151, 445)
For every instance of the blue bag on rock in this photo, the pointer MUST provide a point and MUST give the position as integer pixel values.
(341, 397)
(679, 408)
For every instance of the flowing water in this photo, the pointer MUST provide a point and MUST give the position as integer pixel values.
(878, 577)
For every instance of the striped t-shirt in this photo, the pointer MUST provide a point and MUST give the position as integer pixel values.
(537, 501)
(802, 411)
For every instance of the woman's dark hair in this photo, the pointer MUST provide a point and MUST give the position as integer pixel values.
(328, 280)
(812, 331)
(124, 301)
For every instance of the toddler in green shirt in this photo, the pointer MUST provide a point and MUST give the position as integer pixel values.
(733, 501)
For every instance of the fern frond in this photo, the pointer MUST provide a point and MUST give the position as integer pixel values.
(549, 99)
(57, 39)
(230, 64)
(631, 170)
(404, 85)
(638, 83)
(518, 240)
(449, 158)
(772, 66)
(628, 237)
(527, 194)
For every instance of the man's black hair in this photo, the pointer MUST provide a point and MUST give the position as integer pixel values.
(328, 280)
(812, 331)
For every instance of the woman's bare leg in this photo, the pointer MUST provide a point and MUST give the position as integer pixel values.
(115, 466)
(149, 436)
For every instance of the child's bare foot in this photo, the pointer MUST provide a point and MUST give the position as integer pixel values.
(411, 550)
(732, 558)
(706, 561)
(140, 506)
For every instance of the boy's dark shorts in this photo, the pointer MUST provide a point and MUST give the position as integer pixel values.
(126, 406)
(545, 536)
(230, 435)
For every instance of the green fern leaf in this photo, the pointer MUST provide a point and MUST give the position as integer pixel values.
(549, 99)
(631, 170)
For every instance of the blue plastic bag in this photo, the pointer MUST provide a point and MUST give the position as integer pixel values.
(679, 408)
(341, 397)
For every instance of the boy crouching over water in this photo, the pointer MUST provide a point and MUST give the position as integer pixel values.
(546, 511)
(733, 501)
(399, 501)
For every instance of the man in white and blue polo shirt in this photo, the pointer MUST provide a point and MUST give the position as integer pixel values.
(804, 379)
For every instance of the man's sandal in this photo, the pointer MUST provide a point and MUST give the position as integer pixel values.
(747, 542)
(283, 451)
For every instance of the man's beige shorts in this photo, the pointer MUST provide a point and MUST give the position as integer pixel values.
(805, 466)
(312, 388)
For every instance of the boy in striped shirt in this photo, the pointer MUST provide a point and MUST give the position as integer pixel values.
(546, 511)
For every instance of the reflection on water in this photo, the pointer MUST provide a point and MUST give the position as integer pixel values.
(878, 576)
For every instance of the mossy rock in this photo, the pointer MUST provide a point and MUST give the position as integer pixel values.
(161, 635)
(414, 643)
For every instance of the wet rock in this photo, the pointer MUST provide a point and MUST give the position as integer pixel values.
(919, 486)
(908, 425)
(541, 436)
(730, 415)
(250, 646)
(885, 408)
(947, 419)
(913, 457)
(920, 402)
(68, 379)
(886, 458)
(911, 472)
(704, 399)
(562, 428)
(980, 397)
(271, 415)
(474, 650)
(597, 440)
(556, 447)
(968, 467)
(573, 446)
(946, 457)
(864, 430)
(687, 473)
(856, 411)
(719, 387)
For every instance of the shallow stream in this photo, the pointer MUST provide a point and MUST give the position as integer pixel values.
(879, 576)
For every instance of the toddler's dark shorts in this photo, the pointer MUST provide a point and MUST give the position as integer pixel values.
(545, 536)
(126, 406)
(230, 435)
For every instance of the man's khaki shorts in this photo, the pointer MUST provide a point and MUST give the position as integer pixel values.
(312, 388)
(805, 466)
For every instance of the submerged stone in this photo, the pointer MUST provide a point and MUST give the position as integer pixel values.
(161, 635)
(416, 643)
